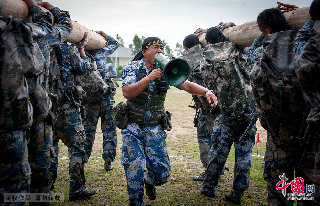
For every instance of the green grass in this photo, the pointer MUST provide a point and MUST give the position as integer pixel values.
(185, 163)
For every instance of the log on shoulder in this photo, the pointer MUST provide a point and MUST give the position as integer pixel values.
(18, 9)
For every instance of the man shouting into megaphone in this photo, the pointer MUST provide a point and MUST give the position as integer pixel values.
(143, 135)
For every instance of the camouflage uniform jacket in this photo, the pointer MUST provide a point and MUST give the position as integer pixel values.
(131, 75)
(20, 57)
(101, 54)
(71, 64)
(226, 72)
(51, 73)
(307, 70)
(100, 57)
(276, 87)
(194, 57)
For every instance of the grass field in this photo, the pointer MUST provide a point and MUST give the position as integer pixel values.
(185, 163)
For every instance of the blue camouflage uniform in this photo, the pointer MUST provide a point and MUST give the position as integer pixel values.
(40, 146)
(226, 72)
(68, 126)
(303, 37)
(143, 146)
(102, 108)
(14, 165)
(253, 53)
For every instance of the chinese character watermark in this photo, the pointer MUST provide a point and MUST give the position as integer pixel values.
(299, 190)
(33, 197)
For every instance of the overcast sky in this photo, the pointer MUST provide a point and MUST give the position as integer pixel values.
(170, 20)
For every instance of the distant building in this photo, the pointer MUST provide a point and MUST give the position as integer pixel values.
(121, 57)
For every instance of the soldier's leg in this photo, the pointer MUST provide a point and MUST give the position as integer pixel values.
(55, 161)
(310, 171)
(243, 152)
(40, 157)
(221, 143)
(70, 130)
(15, 171)
(204, 133)
(277, 162)
(109, 131)
(91, 114)
(133, 161)
(157, 159)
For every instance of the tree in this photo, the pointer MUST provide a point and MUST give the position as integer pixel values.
(119, 70)
(167, 49)
(120, 40)
(179, 50)
(137, 44)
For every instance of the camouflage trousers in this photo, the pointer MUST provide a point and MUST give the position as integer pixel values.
(41, 154)
(15, 170)
(70, 130)
(227, 131)
(204, 133)
(91, 113)
(140, 150)
(286, 159)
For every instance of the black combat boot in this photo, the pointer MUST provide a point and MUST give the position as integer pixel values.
(83, 194)
(233, 197)
(151, 191)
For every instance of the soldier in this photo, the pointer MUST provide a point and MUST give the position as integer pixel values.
(203, 119)
(269, 21)
(40, 145)
(18, 51)
(283, 159)
(143, 135)
(307, 69)
(226, 72)
(102, 108)
(69, 126)
(279, 103)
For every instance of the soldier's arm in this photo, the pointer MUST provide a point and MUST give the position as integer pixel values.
(134, 89)
(62, 26)
(251, 52)
(111, 46)
(41, 21)
(196, 89)
(303, 36)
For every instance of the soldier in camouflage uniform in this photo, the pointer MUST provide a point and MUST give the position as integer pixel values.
(143, 136)
(102, 108)
(270, 21)
(307, 69)
(282, 110)
(69, 126)
(226, 72)
(203, 119)
(19, 54)
(283, 156)
(40, 145)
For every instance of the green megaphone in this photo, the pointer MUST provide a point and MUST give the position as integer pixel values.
(175, 71)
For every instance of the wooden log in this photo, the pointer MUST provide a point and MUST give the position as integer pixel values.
(95, 40)
(15, 8)
(243, 35)
(19, 9)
